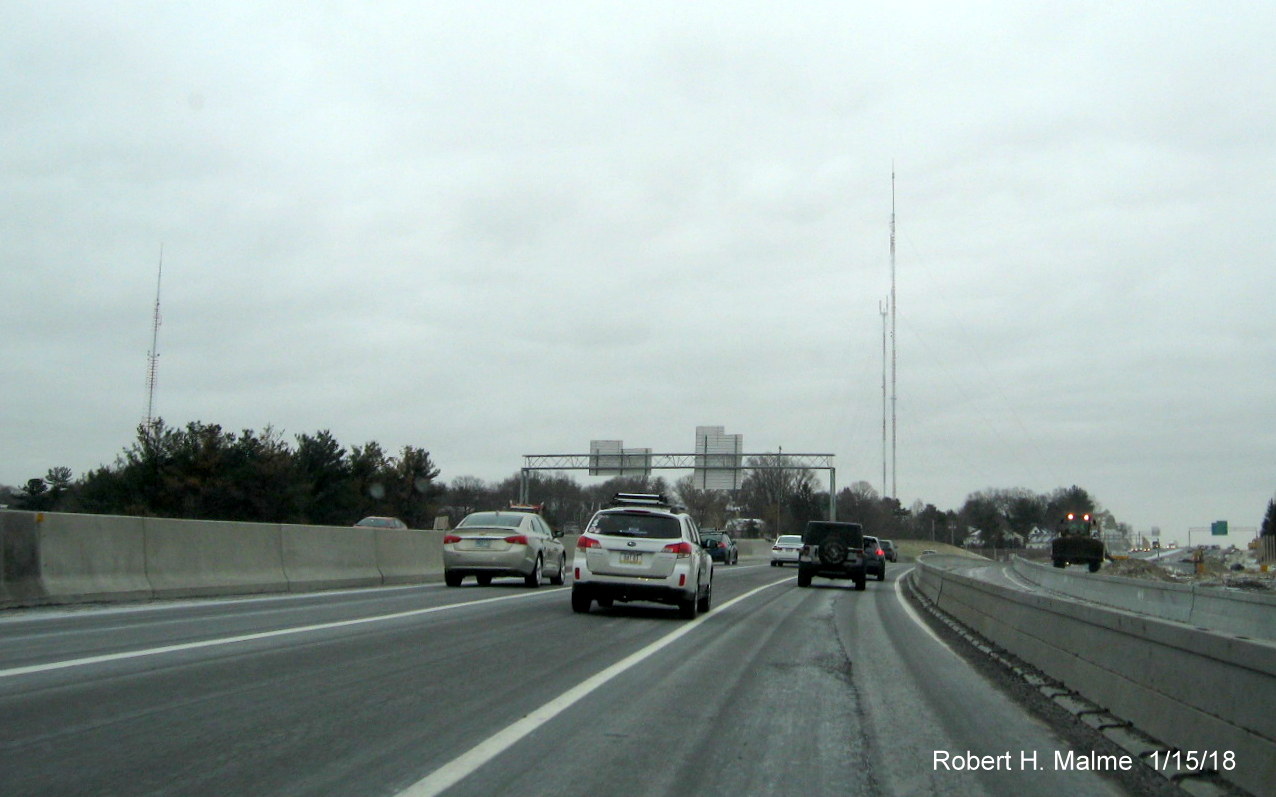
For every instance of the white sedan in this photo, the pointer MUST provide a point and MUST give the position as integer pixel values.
(785, 550)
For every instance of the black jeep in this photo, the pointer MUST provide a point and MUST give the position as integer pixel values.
(832, 550)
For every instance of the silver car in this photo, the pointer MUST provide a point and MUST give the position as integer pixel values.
(376, 522)
(503, 543)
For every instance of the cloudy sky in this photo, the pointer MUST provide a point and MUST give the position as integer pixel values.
(492, 229)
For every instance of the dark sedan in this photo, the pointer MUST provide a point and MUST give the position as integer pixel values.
(720, 546)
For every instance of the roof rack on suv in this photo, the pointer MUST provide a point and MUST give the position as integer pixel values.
(642, 499)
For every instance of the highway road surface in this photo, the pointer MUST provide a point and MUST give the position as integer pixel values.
(504, 690)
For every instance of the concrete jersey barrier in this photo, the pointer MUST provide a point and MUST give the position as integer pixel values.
(200, 558)
(59, 558)
(1189, 687)
(1248, 614)
(90, 558)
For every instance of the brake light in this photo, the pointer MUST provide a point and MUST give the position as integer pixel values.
(517, 539)
(587, 542)
(683, 549)
(775, 547)
(879, 552)
(448, 539)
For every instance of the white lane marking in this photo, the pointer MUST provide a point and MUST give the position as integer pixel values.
(207, 643)
(458, 768)
(912, 613)
(78, 612)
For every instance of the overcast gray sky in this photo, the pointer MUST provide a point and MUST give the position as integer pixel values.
(491, 229)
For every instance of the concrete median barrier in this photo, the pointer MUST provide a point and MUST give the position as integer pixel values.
(197, 558)
(20, 583)
(93, 557)
(1191, 688)
(754, 548)
(406, 556)
(329, 557)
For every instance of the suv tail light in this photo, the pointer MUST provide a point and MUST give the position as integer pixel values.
(450, 538)
(587, 542)
(879, 552)
(683, 549)
(517, 539)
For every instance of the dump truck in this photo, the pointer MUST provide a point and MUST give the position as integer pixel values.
(1078, 542)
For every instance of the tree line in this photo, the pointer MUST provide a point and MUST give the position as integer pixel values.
(201, 471)
(204, 472)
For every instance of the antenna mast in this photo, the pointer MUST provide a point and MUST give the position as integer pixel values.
(894, 395)
(152, 356)
(881, 308)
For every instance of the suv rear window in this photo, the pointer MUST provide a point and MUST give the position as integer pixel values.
(632, 524)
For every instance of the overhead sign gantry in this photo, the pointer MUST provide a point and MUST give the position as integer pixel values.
(717, 470)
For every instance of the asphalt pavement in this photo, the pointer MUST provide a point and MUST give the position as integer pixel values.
(503, 690)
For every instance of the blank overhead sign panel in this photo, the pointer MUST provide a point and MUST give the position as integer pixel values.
(719, 458)
(611, 458)
(604, 457)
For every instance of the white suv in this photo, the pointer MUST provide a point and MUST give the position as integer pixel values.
(642, 549)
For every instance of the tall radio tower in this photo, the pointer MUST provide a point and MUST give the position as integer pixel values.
(881, 308)
(894, 396)
(152, 357)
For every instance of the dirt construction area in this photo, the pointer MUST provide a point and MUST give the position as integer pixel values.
(1234, 568)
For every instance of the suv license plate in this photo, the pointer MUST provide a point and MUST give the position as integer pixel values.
(627, 558)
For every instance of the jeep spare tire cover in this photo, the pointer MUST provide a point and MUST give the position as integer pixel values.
(833, 550)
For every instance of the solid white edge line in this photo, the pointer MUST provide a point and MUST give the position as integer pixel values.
(207, 643)
(912, 613)
(463, 765)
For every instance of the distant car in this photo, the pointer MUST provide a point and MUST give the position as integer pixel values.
(874, 558)
(786, 550)
(375, 522)
(928, 550)
(720, 546)
(643, 548)
(888, 548)
(487, 545)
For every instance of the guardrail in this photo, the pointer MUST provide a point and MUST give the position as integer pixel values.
(1244, 613)
(1192, 688)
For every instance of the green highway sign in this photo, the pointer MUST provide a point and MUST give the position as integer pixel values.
(1218, 528)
